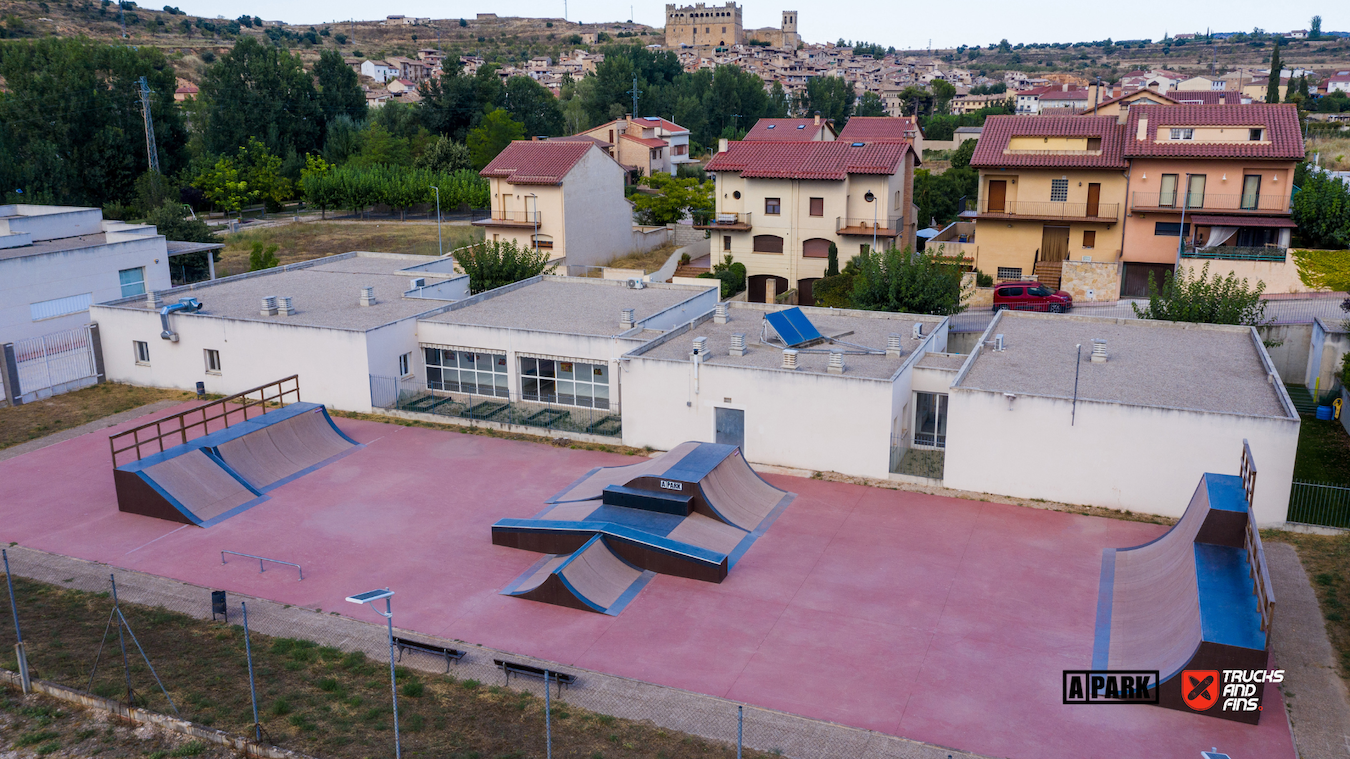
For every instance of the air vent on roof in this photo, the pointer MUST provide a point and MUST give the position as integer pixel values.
(418, 282)
(284, 306)
(269, 306)
(152, 300)
(1098, 350)
(836, 365)
(626, 319)
(737, 344)
(893, 348)
(720, 314)
(790, 359)
(367, 296)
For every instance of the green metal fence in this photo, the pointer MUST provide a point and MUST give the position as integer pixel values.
(1320, 504)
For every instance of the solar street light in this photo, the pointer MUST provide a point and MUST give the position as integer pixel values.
(372, 597)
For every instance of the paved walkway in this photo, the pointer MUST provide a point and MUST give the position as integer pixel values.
(707, 716)
(84, 429)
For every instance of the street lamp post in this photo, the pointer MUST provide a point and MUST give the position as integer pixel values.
(370, 597)
(439, 245)
(870, 198)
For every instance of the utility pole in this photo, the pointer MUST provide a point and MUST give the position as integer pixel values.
(122, 16)
(635, 92)
(151, 152)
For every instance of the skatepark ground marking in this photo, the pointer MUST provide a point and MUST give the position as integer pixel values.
(161, 537)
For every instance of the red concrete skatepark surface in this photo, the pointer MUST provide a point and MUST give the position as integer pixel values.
(937, 619)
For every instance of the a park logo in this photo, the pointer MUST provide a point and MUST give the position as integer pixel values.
(1110, 686)
(1200, 688)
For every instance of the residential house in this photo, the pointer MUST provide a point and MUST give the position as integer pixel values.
(676, 136)
(1339, 82)
(562, 196)
(1120, 106)
(186, 91)
(780, 206)
(973, 103)
(1064, 102)
(1052, 189)
(636, 144)
(1229, 169)
(407, 68)
(884, 129)
(1028, 102)
(380, 71)
(1201, 83)
(792, 130)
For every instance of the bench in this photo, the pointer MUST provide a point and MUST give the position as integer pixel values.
(448, 653)
(561, 678)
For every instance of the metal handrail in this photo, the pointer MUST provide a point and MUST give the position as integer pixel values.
(1054, 209)
(1256, 553)
(207, 410)
(261, 559)
(1210, 201)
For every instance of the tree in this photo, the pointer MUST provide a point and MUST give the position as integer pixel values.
(943, 92)
(915, 101)
(339, 89)
(314, 184)
(263, 92)
(832, 96)
(1003, 45)
(1324, 269)
(343, 139)
(1322, 210)
(492, 263)
(904, 281)
(445, 156)
(1273, 86)
(677, 198)
(780, 103)
(1315, 28)
(379, 147)
(731, 273)
(492, 136)
(261, 168)
(262, 257)
(530, 103)
(171, 220)
(1189, 297)
(962, 155)
(870, 105)
(454, 103)
(222, 186)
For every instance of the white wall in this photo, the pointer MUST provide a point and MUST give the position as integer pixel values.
(50, 222)
(1328, 347)
(1116, 456)
(333, 365)
(32, 279)
(597, 220)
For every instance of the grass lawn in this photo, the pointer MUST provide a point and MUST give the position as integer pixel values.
(316, 700)
(1326, 559)
(308, 240)
(19, 424)
(1323, 453)
(1335, 151)
(40, 725)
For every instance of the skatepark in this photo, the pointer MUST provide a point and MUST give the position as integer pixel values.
(937, 619)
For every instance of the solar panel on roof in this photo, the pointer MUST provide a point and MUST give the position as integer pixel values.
(793, 326)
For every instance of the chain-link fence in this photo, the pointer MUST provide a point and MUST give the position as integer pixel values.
(323, 682)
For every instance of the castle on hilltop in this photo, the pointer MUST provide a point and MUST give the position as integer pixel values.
(702, 25)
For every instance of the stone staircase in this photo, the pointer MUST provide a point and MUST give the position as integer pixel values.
(691, 271)
(1049, 273)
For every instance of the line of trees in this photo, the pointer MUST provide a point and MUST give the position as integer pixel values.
(356, 188)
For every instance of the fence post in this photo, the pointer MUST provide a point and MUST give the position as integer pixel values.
(19, 652)
(96, 349)
(740, 729)
(548, 717)
(9, 372)
(252, 690)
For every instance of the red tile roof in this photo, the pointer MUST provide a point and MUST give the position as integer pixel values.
(651, 142)
(999, 130)
(1283, 138)
(536, 162)
(1207, 97)
(1131, 93)
(783, 130)
(878, 129)
(1062, 95)
(656, 121)
(809, 160)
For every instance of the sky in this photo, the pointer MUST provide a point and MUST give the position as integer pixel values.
(904, 26)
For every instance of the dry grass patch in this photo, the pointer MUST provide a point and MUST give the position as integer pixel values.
(1326, 559)
(38, 725)
(19, 424)
(648, 262)
(309, 240)
(1335, 151)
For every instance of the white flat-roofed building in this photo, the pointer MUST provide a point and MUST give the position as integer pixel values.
(1170, 402)
(738, 390)
(334, 336)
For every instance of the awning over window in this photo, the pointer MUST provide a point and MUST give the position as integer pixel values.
(1204, 220)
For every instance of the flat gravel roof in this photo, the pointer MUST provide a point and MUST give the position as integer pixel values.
(1204, 367)
(946, 361)
(325, 294)
(863, 328)
(571, 305)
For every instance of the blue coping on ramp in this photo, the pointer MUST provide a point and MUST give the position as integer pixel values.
(612, 610)
(699, 462)
(1101, 645)
(1228, 609)
(763, 527)
(619, 532)
(1226, 492)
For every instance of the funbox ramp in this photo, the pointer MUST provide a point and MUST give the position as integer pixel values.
(1196, 598)
(218, 475)
(592, 578)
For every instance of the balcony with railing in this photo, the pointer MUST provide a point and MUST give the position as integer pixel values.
(727, 222)
(1266, 253)
(1050, 210)
(865, 227)
(501, 218)
(1241, 203)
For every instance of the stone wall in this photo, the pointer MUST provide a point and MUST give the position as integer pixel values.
(976, 297)
(1091, 281)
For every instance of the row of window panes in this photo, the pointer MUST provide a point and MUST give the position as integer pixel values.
(774, 206)
(467, 372)
(570, 383)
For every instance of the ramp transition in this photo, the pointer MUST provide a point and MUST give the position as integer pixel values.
(593, 578)
(1197, 598)
(223, 473)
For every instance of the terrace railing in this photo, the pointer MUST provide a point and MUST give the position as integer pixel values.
(1271, 253)
(1052, 210)
(1210, 202)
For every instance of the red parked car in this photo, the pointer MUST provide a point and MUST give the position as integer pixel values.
(1031, 296)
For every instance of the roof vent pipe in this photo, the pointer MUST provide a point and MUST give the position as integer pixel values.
(720, 314)
(152, 300)
(737, 345)
(187, 305)
(700, 346)
(626, 319)
(285, 308)
(1098, 350)
(367, 296)
(836, 363)
(269, 306)
(893, 349)
(790, 359)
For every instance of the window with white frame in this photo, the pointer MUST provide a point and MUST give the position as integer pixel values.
(142, 350)
(461, 371)
(132, 281)
(1183, 134)
(1059, 190)
(405, 365)
(570, 383)
(212, 358)
(930, 420)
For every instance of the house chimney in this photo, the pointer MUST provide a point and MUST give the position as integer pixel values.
(836, 363)
(700, 346)
(626, 319)
(284, 306)
(720, 314)
(790, 359)
(368, 296)
(893, 349)
(1142, 134)
(152, 300)
(1098, 350)
(737, 345)
(817, 120)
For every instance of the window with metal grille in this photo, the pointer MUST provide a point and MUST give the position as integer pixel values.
(1009, 272)
(1059, 190)
(467, 372)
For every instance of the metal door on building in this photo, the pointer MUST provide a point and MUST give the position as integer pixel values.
(730, 424)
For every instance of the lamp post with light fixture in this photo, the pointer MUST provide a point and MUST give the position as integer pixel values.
(870, 198)
(370, 597)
